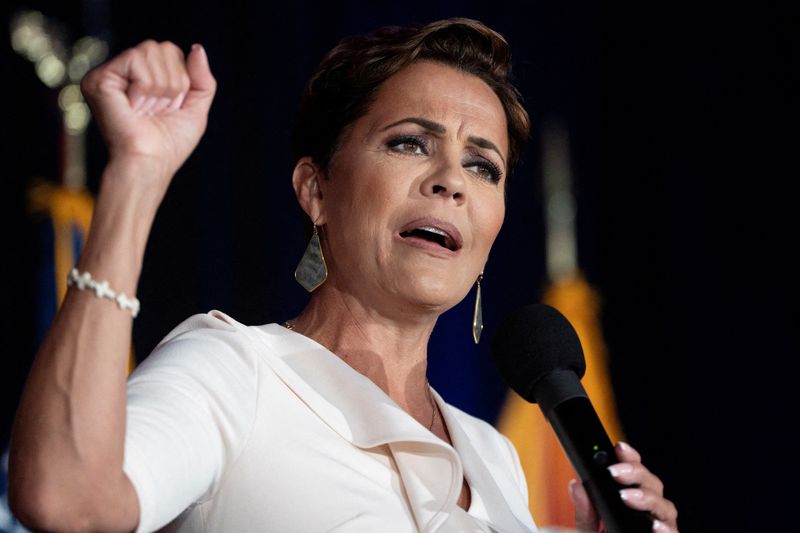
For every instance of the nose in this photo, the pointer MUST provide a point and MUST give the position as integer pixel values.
(446, 182)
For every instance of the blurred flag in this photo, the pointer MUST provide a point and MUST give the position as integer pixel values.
(64, 217)
(547, 468)
(64, 211)
(8, 524)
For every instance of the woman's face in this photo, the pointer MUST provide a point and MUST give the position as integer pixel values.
(414, 197)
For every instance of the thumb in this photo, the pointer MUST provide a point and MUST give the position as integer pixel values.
(203, 85)
(586, 518)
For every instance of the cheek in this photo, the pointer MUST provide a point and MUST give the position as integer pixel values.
(359, 201)
(366, 188)
(491, 220)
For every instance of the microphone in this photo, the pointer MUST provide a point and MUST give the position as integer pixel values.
(538, 353)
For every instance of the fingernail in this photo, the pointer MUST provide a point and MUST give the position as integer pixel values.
(178, 101)
(658, 525)
(620, 469)
(162, 104)
(199, 48)
(631, 494)
(624, 446)
(137, 103)
(573, 483)
(148, 104)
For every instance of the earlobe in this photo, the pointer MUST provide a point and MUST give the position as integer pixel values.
(305, 180)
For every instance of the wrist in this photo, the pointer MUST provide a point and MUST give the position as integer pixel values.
(140, 182)
(131, 190)
(140, 168)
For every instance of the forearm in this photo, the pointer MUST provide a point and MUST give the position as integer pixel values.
(151, 104)
(68, 438)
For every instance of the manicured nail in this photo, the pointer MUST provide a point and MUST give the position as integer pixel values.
(624, 446)
(631, 494)
(148, 104)
(178, 101)
(620, 469)
(198, 48)
(658, 525)
(161, 105)
(137, 103)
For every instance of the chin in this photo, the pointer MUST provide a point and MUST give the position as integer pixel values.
(434, 294)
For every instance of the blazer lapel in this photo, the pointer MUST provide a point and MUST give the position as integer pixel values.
(499, 513)
(359, 411)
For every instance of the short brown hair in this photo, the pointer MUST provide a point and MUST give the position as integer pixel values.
(344, 84)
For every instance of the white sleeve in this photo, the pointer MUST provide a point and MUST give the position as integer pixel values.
(191, 407)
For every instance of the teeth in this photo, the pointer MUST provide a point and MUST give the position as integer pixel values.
(431, 229)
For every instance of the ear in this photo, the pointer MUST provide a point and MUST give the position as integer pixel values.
(306, 182)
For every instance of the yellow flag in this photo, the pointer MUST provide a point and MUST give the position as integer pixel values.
(68, 210)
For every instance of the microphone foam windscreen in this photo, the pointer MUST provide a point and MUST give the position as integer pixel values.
(532, 342)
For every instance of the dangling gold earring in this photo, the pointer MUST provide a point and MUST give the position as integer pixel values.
(311, 271)
(477, 316)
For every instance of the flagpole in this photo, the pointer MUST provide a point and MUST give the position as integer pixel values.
(560, 234)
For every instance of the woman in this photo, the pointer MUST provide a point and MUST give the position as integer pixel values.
(327, 422)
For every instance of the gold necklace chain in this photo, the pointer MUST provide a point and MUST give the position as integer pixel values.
(289, 324)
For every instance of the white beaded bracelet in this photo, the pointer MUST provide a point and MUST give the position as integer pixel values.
(101, 290)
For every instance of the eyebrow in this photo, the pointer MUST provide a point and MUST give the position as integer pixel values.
(440, 129)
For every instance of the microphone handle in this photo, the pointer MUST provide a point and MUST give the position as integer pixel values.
(590, 451)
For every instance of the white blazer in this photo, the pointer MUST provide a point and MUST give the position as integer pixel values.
(256, 429)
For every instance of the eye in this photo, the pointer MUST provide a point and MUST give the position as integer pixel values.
(409, 144)
(484, 169)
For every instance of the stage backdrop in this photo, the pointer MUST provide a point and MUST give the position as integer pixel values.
(683, 217)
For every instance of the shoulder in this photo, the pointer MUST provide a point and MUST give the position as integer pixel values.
(204, 352)
(211, 325)
(191, 408)
(213, 335)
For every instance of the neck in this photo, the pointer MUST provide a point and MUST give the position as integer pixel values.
(389, 350)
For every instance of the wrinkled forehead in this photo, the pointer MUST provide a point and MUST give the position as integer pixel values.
(461, 101)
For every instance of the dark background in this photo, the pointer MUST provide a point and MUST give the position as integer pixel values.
(683, 150)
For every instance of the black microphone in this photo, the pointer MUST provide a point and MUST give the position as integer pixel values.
(539, 355)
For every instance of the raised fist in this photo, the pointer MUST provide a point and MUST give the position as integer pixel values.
(152, 103)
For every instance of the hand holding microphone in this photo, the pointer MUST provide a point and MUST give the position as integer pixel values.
(539, 355)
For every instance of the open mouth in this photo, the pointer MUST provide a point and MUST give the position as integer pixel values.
(433, 234)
